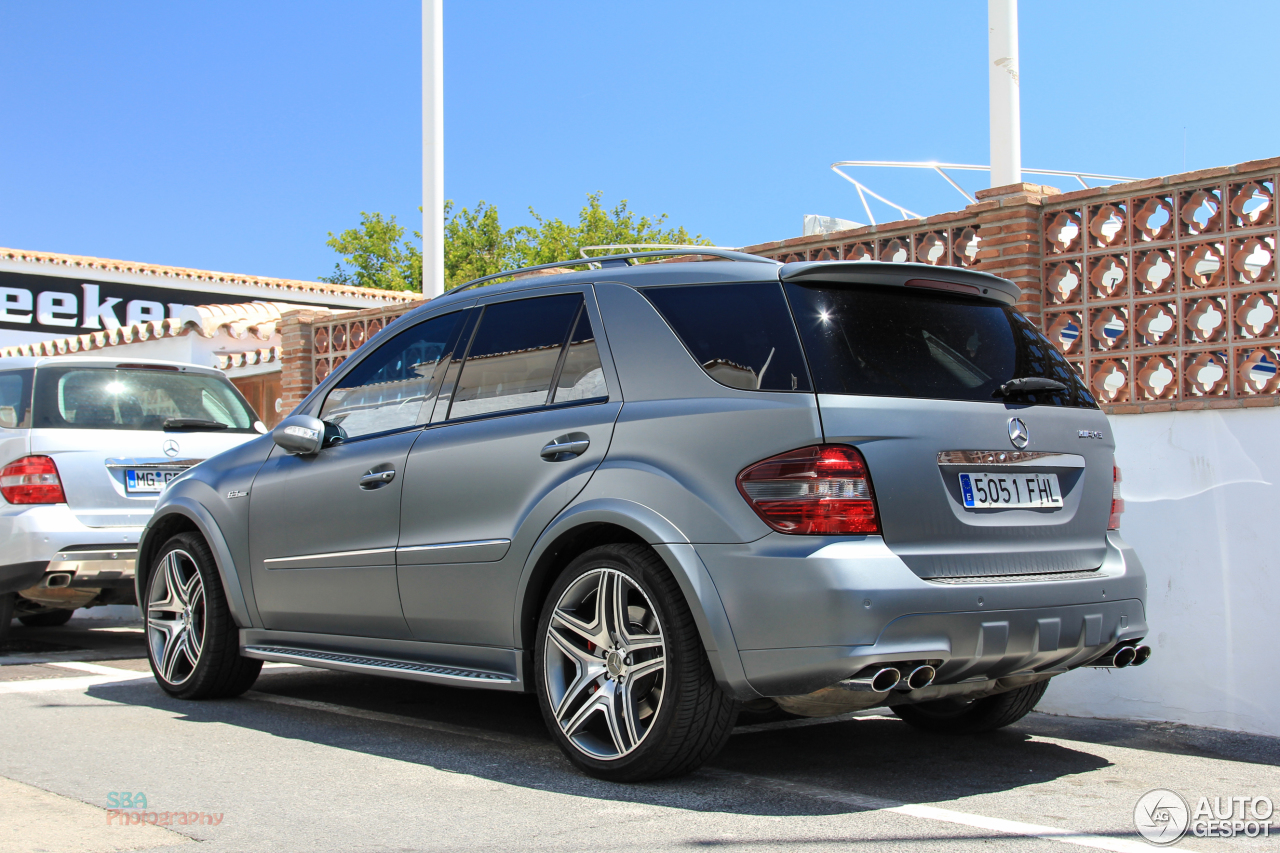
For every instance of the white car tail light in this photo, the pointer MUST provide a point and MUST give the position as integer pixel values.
(1117, 502)
(816, 490)
(32, 480)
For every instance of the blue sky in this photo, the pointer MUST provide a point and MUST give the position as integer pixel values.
(235, 135)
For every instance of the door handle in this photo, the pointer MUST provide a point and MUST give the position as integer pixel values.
(375, 479)
(558, 450)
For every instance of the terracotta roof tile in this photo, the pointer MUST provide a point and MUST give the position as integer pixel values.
(284, 285)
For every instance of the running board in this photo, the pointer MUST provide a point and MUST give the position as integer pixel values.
(435, 673)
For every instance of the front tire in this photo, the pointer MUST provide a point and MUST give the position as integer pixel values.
(623, 682)
(193, 644)
(955, 716)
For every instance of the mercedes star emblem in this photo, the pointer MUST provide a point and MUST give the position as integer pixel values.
(1018, 433)
(170, 447)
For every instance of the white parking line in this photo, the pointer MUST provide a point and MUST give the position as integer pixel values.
(99, 675)
(84, 682)
(925, 812)
(96, 669)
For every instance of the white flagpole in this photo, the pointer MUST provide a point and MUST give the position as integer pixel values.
(1002, 77)
(432, 147)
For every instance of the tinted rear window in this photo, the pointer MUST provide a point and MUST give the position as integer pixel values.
(134, 399)
(741, 334)
(893, 342)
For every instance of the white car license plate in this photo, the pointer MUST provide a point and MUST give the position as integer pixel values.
(145, 481)
(1002, 491)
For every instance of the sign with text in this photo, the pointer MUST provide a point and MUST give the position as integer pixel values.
(62, 307)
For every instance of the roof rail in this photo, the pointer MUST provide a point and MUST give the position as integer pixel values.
(625, 259)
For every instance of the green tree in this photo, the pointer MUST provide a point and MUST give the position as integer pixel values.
(377, 255)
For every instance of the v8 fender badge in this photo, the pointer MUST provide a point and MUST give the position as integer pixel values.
(1089, 433)
(236, 493)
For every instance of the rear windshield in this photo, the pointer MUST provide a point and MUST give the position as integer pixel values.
(893, 342)
(111, 398)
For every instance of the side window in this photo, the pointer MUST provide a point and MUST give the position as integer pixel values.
(15, 399)
(387, 390)
(741, 334)
(581, 376)
(514, 355)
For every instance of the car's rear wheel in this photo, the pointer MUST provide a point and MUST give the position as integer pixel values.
(957, 716)
(47, 619)
(7, 600)
(192, 641)
(623, 681)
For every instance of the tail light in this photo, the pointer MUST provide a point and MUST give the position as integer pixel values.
(32, 480)
(1117, 502)
(817, 490)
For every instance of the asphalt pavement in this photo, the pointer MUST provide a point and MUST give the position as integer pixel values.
(312, 760)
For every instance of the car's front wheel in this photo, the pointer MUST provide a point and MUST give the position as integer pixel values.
(623, 681)
(192, 641)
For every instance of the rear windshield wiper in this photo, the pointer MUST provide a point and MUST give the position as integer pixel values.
(192, 423)
(1028, 384)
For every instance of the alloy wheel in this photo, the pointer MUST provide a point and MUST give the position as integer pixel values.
(605, 664)
(176, 617)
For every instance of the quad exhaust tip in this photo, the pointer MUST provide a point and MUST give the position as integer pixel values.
(874, 681)
(1125, 656)
(921, 676)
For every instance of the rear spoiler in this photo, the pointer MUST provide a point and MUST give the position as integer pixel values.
(951, 279)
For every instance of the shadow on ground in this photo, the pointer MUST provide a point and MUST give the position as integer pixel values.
(872, 756)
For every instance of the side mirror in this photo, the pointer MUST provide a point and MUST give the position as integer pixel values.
(302, 435)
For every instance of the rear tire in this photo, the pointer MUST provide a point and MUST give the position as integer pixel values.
(623, 681)
(193, 644)
(48, 619)
(6, 614)
(957, 717)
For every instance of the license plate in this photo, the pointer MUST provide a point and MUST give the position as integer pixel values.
(1004, 491)
(143, 481)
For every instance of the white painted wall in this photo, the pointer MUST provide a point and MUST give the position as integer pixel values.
(1202, 492)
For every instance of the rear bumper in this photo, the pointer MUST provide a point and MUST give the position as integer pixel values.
(809, 611)
(48, 539)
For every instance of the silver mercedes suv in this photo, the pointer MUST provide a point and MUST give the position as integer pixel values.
(656, 493)
(87, 443)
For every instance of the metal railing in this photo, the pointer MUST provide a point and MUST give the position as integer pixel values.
(940, 168)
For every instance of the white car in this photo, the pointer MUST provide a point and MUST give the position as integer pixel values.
(86, 447)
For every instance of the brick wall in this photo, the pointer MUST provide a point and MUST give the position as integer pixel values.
(315, 343)
(1155, 317)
